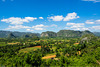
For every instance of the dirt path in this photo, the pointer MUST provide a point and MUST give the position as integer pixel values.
(48, 57)
(98, 62)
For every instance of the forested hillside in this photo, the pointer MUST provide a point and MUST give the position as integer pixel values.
(5, 34)
(30, 52)
(96, 33)
(65, 33)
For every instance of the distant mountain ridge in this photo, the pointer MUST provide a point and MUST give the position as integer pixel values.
(65, 33)
(61, 33)
(5, 34)
(96, 33)
(48, 34)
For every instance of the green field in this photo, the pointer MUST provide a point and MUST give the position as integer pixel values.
(3, 44)
(29, 49)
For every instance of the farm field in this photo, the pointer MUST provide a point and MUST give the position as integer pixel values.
(3, 44)
(30, 49)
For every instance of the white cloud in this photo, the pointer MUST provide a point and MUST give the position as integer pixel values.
(42, 27)
(89, 22)
(29, 30)
(76, 26)
(17, 27)
(56, 18)
(70, 24)
(17, 20)
(92, 0)
(71, 16)
(97, 21)
(39, 28)
(53, 25)
(95, 28)
(93, 21)
(40, 17)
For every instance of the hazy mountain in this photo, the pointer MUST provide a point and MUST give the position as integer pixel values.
(61, 33)
(96, 33)
(11, 35)
(48, 34)
(65, 33)
(5, 34)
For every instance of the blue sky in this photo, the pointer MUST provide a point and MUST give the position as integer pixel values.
(49, 15)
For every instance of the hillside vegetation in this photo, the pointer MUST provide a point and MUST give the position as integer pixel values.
(67, 52)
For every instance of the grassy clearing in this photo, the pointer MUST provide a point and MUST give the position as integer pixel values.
(13, 43)
(29, 49)
(3, 44)
(54, 48)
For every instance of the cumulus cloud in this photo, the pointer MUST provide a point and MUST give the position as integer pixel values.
(39, 27)
(69, 24)
(29, 30)
(42, 27)
(10, 27)
(92, 0)
(76, 26)
(56, 18)
(93, 21)
(97, 21)
(89, 22)
(17, 20)
(71, 16)
(53, 25)
(96, 28)
(40, 17)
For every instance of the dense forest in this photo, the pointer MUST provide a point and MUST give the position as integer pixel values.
(78, 48)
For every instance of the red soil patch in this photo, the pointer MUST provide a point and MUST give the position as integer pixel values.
(48, 57)
(37, 46)
(76, 43)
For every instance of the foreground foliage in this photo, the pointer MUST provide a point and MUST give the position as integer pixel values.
(67, 52)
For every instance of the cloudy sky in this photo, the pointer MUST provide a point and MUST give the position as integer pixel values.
(49, 15)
